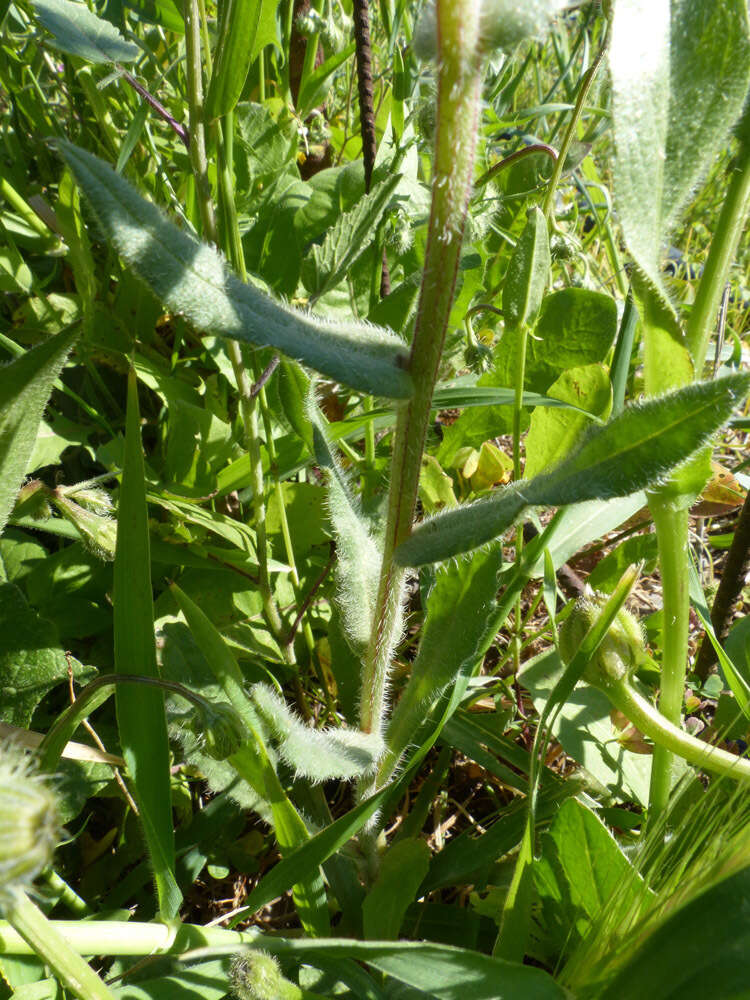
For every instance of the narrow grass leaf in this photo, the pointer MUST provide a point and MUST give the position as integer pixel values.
(78, 31)
(192, 278)
(702, 949)
(634, 450)
(245, 27)
(140, 710)
(25, 387)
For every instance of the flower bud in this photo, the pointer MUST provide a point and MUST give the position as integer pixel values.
(257, 976)
(98, 534)
(219, 728)
(621, 650)
(28, 818)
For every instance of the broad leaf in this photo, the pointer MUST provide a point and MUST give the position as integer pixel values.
(78, 31)
(576, 326)
(701, 949)
(326, 265)
(192, 278)
(25, 387)
(633, 451)
(680, 73)
(31, 659)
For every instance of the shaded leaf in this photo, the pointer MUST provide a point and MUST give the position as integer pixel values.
(528, 271)
(402, 869)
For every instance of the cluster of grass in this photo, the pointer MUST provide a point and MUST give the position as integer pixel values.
(362, 363)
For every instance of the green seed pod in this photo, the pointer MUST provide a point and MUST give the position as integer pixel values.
(621, 650)
(29, 824)
(98, 534)
(257, 976)
(220, 729)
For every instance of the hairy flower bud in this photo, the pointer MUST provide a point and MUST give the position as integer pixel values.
(98, 533)
(219, 728)
(28, 818)
(257, 976)
(621, 650)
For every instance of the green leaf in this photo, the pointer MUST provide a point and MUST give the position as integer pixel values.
(31, 660)
(358, 555)
(191, 278)
(25, 387)
(313, 87)
(576, 326)
(439, 970)
(634, 450)
(528, 272)
(140, 710)
(326, 265)
(402, 869)
(245, 27)
(553, 432)
(680, 73)
(78, 31)
(316, 754)
(701, 949)
(460, 608)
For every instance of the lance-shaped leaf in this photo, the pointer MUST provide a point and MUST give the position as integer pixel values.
(680, 73)
(316, 754)
(79, 32)
(527, 272)
(358, 557)
(635, 450)
(245, 27)
(193, 279)
(25, 387)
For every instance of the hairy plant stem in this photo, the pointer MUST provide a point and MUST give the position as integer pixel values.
(44, 939)
(674, 561)
(459, 80)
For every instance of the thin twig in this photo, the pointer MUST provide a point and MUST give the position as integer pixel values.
(308, 599)
(158, 107)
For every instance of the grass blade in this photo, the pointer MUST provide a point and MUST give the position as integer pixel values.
(140, 710)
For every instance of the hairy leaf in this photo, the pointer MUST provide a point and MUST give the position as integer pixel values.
(357, 554)
(317, 754)
(680, 73)
(634, 450)
(25, 387)
(78, 31)
(192, 278)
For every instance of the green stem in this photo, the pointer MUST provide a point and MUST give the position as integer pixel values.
(570, 131)
(674, 561)
(650, 721)
(122, 938)
(459, 82)
(723, 250)
(520, 377)
(44, 939)
(197, 147)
